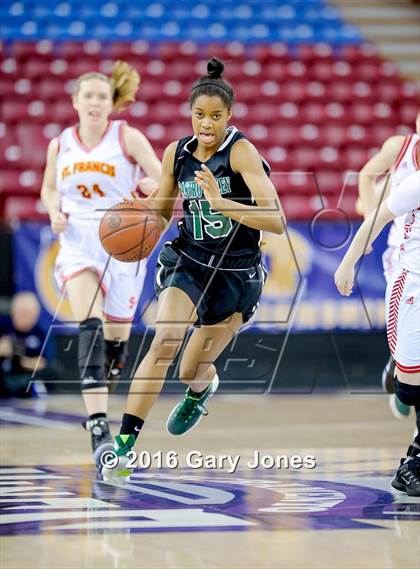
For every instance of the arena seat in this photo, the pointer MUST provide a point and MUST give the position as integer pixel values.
(33, 144)
(25, 208)
(309, 93)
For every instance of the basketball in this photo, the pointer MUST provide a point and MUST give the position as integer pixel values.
(128, 232)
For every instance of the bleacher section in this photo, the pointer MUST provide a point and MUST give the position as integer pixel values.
(310, 94)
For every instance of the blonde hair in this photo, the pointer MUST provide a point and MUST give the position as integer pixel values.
(124, 82)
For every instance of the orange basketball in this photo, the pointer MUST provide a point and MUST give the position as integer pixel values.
(129, 232)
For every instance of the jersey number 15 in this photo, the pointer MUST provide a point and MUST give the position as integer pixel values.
(214, 223)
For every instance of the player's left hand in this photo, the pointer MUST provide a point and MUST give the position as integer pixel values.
(344, 279)
(148, 185)
(207, 182)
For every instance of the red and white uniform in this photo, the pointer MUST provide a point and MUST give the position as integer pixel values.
(403, 292)
(405, 164)
(90, 182)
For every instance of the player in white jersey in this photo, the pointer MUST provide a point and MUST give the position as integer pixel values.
(398, 157)
(402, 305)
(90, 167)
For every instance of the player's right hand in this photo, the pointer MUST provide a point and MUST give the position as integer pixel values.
(58, 222)
(344, 279)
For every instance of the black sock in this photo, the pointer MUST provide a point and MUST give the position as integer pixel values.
(131, 425)
(115, 354)
(198, 393)
(97, 416)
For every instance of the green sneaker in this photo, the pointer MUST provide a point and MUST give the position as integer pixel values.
(399, 410)
(115, 463)
(190, 410)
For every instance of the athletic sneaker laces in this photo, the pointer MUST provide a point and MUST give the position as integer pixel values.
(191, 403)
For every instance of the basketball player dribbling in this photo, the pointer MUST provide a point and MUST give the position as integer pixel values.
(399, 157)
(211, 275)
(402, 303)
(90, 167)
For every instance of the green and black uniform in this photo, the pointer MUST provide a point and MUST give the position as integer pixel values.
(215, 260)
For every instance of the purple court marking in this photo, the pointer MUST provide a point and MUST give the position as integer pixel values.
(13, 414)
(70, 500)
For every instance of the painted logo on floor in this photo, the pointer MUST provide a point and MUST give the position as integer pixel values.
(65, 499)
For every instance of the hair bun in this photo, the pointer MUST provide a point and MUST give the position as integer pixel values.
(215, 68)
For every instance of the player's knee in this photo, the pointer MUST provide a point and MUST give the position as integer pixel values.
(406, 393)
(91, 354)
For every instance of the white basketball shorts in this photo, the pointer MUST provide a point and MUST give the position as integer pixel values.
(121, 283)
(402, 303)
(390, 262)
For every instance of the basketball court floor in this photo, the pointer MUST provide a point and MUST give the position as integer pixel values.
(342, 513)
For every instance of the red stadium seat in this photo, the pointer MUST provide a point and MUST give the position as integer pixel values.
(283, 135)
(336, 113)
(329, 183)
(279, 158)
(163, 111)
(51, 89)
(24, 209)
(362, 91)
(383, 114)
(80, 67)
(33, 144)
(354, 158)
(9, 182)
(177, 131)
(333, 134)
(316, 90)
(340, 91)
(264, 113)
(13, 111)
(388, 92)
(359, 135)
(7, 88)
(123, 50)
(407, 114)
(271, 52)
(10, 68)
(342, 71)
(329, 158)
(312, 112)
(234, 51)
(367, 72)
(293, 183)
(388, 70)
(73, 50)
(357, 53)
(306, 158)
(318, 52)
(360, 113)
(297, 207)
(62, 112)
(289, 113)
(293, 91)
(179, 69)
(170, 51)
(321, 71)
(247, 92)
(23, 50)
(35, 68)
(276, 70)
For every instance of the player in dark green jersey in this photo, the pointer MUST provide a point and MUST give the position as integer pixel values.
(211, 275)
